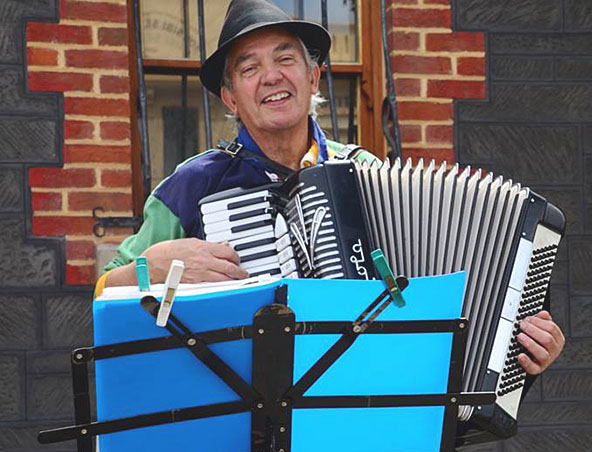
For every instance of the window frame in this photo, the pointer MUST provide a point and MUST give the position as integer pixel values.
(369, 72)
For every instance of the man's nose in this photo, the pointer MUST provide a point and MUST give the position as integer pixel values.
(272, 74)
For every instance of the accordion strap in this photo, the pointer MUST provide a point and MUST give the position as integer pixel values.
(234, 149)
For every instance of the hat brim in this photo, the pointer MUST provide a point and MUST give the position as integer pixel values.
(316, 39)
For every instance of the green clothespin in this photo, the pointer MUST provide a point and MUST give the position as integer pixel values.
(387, 276)
(142, 274)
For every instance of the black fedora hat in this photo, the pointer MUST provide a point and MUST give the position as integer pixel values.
(245, 16)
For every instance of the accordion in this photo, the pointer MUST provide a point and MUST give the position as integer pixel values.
(323, 221)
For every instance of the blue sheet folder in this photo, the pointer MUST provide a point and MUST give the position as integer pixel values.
(376, 364)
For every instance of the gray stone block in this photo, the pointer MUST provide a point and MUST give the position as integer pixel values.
(22, 437)
(541, 43)
(508, 67)
(19, 322)
(29, 140)
(574, 68)
(578, 15)
(13, 100)
(588, 177)
(532, 103)
(587, 139)
(486, 15)
(588, 214)
(570, 201)
(489, 447)
(560, 307)
(49, 397)
(546, 439)
(527, 154)
(24, 264)
(580, 256)
(560, 269)
(48, 361)
(11, 190)
(576, 354)
(535, 392)
(69, 321)
(554, 413)
(581, 315)
(11, 388)
(567, 385)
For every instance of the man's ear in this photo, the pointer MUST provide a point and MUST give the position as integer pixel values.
(316, 76)
(228, 99)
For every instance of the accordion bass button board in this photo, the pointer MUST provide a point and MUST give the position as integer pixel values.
(428, 219)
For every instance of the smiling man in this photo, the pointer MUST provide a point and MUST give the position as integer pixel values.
(266, 71)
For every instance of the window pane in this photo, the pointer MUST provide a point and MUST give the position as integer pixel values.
(163, 26)
(172, 140)
(346, 107)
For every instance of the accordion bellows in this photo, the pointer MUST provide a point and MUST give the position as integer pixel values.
(428, 219)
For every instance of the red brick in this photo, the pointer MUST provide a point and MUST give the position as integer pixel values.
(46, 201)
(407, 87)
(436, 2)
(104, 59)
(80, 249)
(471, 66)
(439, 134)
(411, 64)
(403, 40)
(101, 12)
(108, 201)
(410, 134)
(96, 107)
(425, 111)
(113, 36)
(54, 225)
(440, 155)
(115, 130)
(59, 81)
(80, 275)
(65, 34)
(90, 153)
(116, 178)
(405, 2)
(456, 89)
(114, 84)
(455, 42)
(409, 17)
(78, 129)
(42, 57)
(58, 177)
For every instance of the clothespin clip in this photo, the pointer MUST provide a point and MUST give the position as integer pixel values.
(387, 276)
(142, 274)
(170, 288)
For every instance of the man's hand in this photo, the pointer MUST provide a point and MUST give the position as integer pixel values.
(204, 261)
(542, 339)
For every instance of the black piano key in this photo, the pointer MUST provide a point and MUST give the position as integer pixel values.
(246, 227)
(247, 202)
(261, 242)
(275, 271)
(256, 256)
(254, 213)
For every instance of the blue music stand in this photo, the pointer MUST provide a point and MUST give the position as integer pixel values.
(288, 366)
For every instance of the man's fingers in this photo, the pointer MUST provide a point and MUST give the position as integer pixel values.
(223, 251)
(537, 351)
(529, 365)
(228, 268)
(537, 323)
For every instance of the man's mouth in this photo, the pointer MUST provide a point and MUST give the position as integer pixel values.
(277, 97)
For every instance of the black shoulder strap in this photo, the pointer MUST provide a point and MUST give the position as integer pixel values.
(234, 149)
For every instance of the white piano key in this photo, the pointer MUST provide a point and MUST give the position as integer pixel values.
(220, 226)
(257, 249)
(289, 267)
(287, 253)
(230, 236)
(272, 267)
(283, 242)
(260, 262)
(223, 203)
(251, 240)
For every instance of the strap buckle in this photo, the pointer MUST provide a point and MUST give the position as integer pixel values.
(232, 148)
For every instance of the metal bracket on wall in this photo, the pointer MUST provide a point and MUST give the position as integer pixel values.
(102, 223)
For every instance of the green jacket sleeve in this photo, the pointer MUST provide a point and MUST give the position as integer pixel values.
(159, 224)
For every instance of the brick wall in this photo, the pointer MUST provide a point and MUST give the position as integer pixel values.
(432, 67)
(85, 56)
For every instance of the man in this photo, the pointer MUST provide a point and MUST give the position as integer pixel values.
(264, 73)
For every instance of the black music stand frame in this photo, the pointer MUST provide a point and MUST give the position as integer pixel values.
(272, 395)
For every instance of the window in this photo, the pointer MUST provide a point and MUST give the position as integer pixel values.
(176, 114)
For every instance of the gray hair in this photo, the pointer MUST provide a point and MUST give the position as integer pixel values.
(316, 99)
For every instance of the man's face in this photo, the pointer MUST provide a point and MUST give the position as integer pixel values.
(271, 83)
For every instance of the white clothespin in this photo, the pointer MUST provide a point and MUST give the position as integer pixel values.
(168, 295)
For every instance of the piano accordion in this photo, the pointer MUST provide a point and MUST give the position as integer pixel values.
(324, 221)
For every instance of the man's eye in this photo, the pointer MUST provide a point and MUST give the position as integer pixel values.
(248, 70)
(286, 59)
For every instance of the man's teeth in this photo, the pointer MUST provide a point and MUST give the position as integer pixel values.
(278, 96)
